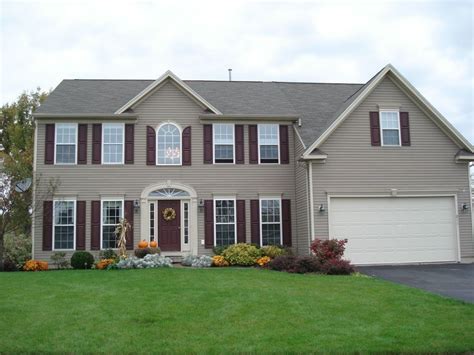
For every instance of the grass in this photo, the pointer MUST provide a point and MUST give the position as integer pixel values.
(224, 310)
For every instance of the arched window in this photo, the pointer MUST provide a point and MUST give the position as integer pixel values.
(168, 145)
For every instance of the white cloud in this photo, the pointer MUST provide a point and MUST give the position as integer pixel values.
(336, 41)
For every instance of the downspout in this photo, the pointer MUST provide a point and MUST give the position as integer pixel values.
(311, 202)
(33, 216)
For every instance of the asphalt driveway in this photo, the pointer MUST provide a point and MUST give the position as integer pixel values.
(451, 280)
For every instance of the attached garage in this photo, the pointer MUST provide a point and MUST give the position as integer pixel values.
(391, 230)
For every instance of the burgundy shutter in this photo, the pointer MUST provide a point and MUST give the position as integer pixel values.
(129, 218)
(150, 146)
(207, 144)
(253, 144)
(405, 128)
(129, 143)
(375, 129)
(47, 225)
(286, 222)
(95, 225)
(81, 225)
(49, 144)
(208, 223)
(239, 144)
(187, 146)
(284, 145)
(255, 221)
(82, 144)
(96, 143)
(241, 221)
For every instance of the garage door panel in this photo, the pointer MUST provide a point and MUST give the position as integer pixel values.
(395, 230)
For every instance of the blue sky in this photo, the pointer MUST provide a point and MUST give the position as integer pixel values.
(430, 43)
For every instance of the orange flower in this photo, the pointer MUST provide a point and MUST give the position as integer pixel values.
(35, 265)
(263, 260)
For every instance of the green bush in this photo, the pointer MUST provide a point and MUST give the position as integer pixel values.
(17, 249)
(219, 249)
(142, 252)
(242, 254)
(59, 260)
(108, 254)
(82, 260)
(272, 251)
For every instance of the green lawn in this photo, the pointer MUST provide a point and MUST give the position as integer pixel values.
(224, 310)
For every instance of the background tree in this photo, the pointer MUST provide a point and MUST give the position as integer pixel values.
(17, 140)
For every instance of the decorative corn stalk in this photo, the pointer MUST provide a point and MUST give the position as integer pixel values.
(121, 232)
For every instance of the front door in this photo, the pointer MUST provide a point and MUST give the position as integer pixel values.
(169, 225)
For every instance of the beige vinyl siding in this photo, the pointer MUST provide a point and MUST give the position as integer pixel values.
(426, 167)
(301, 243)
(169, 103)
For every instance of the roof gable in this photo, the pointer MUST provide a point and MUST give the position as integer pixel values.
(156, 84)
(353, 102)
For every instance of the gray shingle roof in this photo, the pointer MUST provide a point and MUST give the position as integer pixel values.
(316, 103)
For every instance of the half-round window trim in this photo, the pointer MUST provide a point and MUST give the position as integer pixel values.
(180, 143)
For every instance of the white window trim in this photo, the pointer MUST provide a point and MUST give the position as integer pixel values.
(101, 219)
(103, 142)
(56, 141)
(399, 129)
(278, 142)
(182, 221)
(54, 223)
(155, 226)
(180, 143)
(224, 198)
(261, 219)
(214, 144)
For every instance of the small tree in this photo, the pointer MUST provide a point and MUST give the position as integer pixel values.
(121, 232)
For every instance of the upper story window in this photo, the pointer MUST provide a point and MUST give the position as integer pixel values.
(66, 143)
(169, 145)
(112, 212)
(390, 128)
(225, 226)
(64, 225)
(270, 221)
(223, 143)
(113, 143)
(268, 142)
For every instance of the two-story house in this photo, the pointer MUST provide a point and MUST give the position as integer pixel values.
(195, 164)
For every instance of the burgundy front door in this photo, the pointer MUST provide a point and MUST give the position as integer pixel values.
(169, 231)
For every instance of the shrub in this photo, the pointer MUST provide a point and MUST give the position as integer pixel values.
(306, 264)
(337, 267)
(282, 263)
(149, 261)
(17, 249)
(202, 261)
(108, 254)
(188, 260)
(272, 251)
(104, 264)
(218, 260)
(9, 265)
(264, 260)
(142, 252)
(242, 254)
(219, 249)
(328, 249)
(82, 260)
(59, 260)
(35, 265)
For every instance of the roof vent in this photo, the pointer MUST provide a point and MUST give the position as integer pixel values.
(230, 74)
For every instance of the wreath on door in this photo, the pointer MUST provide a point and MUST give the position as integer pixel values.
(169, 214)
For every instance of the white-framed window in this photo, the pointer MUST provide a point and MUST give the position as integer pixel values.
(185, 222)
(64, 225)
(390, 128)
(113, 136)
(224, 142)
(270, 221)
(268, 143)
(66, 143)
(225, 226)
(168, 145)
(111, 213)
(152, 222)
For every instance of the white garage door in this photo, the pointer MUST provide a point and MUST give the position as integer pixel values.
(396, 229)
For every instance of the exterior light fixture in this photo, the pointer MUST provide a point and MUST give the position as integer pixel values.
(321, 208)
